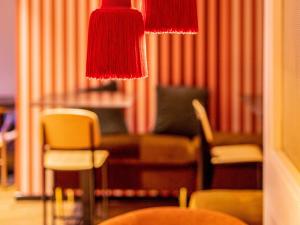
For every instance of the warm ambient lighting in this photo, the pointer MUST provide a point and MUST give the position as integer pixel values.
(116, 42)
(170, 16)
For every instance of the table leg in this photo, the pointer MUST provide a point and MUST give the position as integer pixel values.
(88, 200)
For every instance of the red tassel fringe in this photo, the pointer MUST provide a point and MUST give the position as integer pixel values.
(116, 44)
(116, 3)
(170, 16)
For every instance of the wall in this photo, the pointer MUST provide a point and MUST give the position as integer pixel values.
(225, 57)
(281, 176)
(7, 47)
(291, 80)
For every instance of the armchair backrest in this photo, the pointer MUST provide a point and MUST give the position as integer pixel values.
(203, 118)
(206, 137)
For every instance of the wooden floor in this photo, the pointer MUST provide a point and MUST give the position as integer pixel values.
(14, 212)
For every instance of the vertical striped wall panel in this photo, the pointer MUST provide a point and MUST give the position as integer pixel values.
(225, 57)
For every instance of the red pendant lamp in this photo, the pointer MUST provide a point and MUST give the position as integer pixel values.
(116, 42)
(170, 16)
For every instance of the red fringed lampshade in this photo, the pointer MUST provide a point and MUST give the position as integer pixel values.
(116, 43)
(170, 16)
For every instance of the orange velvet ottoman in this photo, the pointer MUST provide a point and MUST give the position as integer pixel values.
(173, 216)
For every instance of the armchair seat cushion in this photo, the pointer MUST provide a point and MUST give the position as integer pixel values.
(121, 145)
(236, 154)
(167, 148)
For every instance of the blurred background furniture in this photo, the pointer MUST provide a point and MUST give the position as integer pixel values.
(228, 165)
(163, 161)
(173, 216)
(7, 136)
(247, 205)
(160, 162)
(71, 139)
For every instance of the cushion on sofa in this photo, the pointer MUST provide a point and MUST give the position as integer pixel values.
(167, 148)
(175, 114)
(112, 121)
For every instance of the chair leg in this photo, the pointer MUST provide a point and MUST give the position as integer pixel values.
(92, 194)
(258, 176)
(88, 197)
(104, 190)
(44, 197)
(3, 165)
(53, 212)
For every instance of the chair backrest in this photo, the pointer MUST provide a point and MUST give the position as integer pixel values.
(203, 118)
(69, 129)
(172, 216)
(206, 136)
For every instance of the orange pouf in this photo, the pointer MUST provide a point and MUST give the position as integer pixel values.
(173, 216)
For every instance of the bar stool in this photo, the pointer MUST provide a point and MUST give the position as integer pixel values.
(70, 141)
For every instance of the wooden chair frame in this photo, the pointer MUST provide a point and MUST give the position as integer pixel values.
(86, 183)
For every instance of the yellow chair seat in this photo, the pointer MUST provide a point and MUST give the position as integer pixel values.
(236, 154)
(247, 205)
(74, 160)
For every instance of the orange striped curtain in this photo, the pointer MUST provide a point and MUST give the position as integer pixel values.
(225, 57)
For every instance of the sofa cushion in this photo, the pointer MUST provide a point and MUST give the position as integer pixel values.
(167, 148)
(175, 114)
(246, 204)
(111, 120)
(121, 145)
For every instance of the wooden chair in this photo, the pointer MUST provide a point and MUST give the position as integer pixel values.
(221, 159)
(70, 141)
(6, 137)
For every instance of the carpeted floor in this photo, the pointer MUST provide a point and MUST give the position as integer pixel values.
(14, 212)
